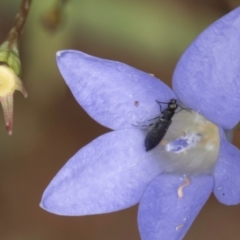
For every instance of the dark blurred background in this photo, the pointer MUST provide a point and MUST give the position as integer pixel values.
(49, 126)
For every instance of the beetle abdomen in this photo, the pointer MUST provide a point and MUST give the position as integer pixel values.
(156, 133)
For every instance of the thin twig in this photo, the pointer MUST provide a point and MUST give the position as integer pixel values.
(16, 31)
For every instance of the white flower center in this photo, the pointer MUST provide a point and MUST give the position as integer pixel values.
(190, 145)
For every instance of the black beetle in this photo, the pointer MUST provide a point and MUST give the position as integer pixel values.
(160, 127)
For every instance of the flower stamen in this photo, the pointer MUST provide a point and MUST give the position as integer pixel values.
(180, 189)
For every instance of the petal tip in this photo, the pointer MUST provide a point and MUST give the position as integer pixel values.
(48, 205)
(9, 128)
(41, 205)
(59, 53)
(9, 123)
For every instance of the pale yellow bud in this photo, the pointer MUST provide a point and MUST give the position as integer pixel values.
(9, 82)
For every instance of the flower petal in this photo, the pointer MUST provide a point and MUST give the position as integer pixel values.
(114, 94)
(229, 135)
(206, 78)
(227, 174)
(107, 175)
(163, 214)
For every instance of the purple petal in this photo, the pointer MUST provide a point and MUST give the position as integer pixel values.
(227, 174)
(114, 94)
(163, 214)
(229, 135)
(206, 78)
(107, 175)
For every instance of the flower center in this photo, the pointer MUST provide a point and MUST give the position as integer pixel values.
(190, 145)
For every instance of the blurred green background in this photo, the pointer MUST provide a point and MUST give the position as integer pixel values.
(49, 126)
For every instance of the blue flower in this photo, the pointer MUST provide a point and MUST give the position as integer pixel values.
(114, 171)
